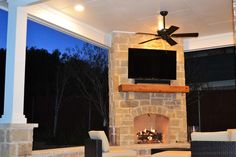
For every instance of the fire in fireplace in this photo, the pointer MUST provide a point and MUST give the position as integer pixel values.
(149, 136)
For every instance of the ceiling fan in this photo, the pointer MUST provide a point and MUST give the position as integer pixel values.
(167, 34)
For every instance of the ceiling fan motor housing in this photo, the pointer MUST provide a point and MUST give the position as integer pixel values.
(164, 13)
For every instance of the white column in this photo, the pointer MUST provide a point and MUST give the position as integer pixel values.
(15, 62)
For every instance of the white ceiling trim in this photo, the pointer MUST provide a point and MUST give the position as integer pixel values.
(207, 42)
(57, 18)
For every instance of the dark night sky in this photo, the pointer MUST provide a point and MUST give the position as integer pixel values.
(3, 28)
(40, 36)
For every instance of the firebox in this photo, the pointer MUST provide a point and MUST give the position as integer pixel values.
(151, 128)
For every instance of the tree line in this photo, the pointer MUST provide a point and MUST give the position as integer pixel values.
(65, 93)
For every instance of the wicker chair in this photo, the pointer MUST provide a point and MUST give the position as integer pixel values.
(98, 146)
(207, 144)
(213, 144)
(213, 149)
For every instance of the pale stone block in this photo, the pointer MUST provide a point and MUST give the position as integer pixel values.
(128, 117)
(135, 40)
(130, 95)
(145, 109)
(129, 103)
(139, 111)
(24, 149)
(134, 113)
(123, 47)
(120, 40)
(158, 95)
(170, 103)
(159, 110)
(175, 122)
(118, 121)
(180, 75)
(128, 137)
(124, 63)
(121, 71)
(115, 47)
(178, 102)
(124, 79)
(2, 135)
(150, 109)
(125, 130)
(117, 63)
(155, 109)
(180, 114)
(17, 135)
(157, 102)
(30, 135)
(144, 102)
(116, 83)
(122, 111)
(119, 96)
(142, 96)
(121, 56)
(169, 96)
(8, 150)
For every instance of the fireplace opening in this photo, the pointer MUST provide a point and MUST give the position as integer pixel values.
(149, 136)
(151, 128)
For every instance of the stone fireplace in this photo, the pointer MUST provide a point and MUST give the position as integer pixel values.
(128, 110)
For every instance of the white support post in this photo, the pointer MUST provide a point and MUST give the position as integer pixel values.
(15, 62)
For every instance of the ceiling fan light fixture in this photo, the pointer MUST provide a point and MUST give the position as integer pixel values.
(160, 22)
(79, 8)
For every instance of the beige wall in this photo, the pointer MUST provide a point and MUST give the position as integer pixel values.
(125, 106)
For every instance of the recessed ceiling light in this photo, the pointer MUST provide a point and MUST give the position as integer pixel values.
(79, 8)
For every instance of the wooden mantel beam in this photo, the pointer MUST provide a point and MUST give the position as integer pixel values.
(153, 88)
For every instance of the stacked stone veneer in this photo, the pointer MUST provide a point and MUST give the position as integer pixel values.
(125, 106)
(16, 140)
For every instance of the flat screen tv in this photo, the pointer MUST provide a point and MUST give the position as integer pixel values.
(151, 64)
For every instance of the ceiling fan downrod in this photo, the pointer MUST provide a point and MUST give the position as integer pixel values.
(164, 13)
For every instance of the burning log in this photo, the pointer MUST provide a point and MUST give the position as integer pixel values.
(149, 136)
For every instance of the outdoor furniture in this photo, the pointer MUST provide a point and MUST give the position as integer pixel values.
(207, 144)
(214, 144)
(98, 146)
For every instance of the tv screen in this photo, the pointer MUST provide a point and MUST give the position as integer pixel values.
(151, 64)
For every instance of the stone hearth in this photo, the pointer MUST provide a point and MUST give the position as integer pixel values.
(126, 106)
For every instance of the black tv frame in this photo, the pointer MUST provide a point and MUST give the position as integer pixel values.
(153, 80)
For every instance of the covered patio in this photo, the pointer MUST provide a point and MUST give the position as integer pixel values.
(115, 32)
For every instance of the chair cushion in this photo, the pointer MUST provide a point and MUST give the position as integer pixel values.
(173, 154)
(210, 136)
(120, 153)
(232, 134)
(100, 135)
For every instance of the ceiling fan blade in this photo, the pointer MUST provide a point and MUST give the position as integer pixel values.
(171, 30)
(149, 40)
(146, 33)
(185, 35)
(171, 41)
